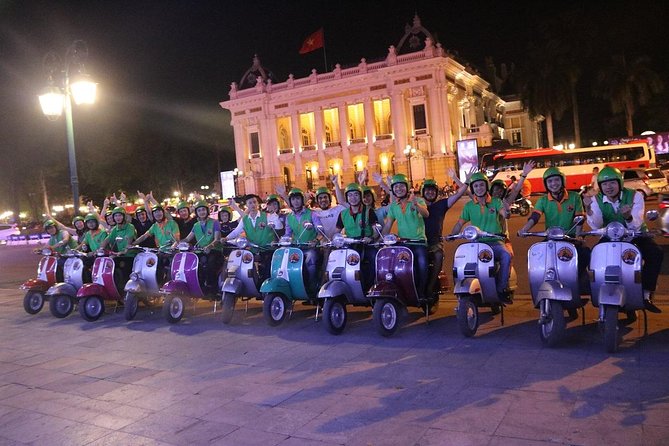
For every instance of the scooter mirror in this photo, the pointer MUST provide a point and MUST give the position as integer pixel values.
(652, 215)
(272, 225)
(308, 225)
(578, 220)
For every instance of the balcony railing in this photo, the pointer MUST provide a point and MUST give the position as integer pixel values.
(308, 148)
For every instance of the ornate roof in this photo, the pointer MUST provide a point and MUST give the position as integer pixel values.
(414, 37)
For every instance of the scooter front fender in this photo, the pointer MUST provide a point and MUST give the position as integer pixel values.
(383, 290)
(232, 285)
(276, 285)
(554, 290)
(335, 288)
(35, 285)
(93, 289)
(175, 287)
(134, 286)
(612, 294)
(470, 285)
(62, 288)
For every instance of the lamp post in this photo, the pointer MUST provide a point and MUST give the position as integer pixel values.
(68, 80)
(410, 151)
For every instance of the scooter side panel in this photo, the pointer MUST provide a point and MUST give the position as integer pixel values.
(46, 269)
(468, 253)
(184, 269)
(62, 288)
(611, 254)
(73, 272)
(398, 260)
(560, 256)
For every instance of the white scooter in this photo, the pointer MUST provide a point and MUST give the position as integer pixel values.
(474, 271)
(145, 281)
(615, 276)
(552, 267)
(62, 295)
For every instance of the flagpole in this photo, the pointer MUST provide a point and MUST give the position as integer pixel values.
(325, 56)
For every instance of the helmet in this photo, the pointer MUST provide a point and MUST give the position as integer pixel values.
(157, 207)
(428, 183)
(323, 190)
(353, 187)
(609, 173)
(552, 172)
(182, 204)
(273, 197)
(296, 191)
(90, 217)
(399, 178)
(48, 223)
(76, 219)
(108, 212)
(478, 176)
(118, 210)
(140, 209)
(227, 209)
(201, 204)
(499, 183)
(369, 190)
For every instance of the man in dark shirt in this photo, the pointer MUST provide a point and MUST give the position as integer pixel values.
(142, 223)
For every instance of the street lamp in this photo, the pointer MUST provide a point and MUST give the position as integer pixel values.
(68, 80)
(410, 151)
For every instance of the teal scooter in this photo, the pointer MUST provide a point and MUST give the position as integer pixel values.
(286, 283)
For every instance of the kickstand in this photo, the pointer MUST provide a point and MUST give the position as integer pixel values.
(427, 313)
(246, 307)
(501, 307)
(215, 304)
(645, 323)
(583, 315)
(318, 308)
(115, 307)
(290, 311)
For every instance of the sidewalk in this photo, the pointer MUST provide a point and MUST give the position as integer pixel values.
(200, 382)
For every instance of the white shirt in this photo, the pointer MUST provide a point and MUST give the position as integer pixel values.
(329, 219)
(596, 220)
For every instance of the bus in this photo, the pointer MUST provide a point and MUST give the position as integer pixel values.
(576, 164)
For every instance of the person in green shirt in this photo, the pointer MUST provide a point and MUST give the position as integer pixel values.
(295, 229)
(409, 211)
(207, 235)
(59, 241)
(165, 231)
(118, 240)
(94, 236)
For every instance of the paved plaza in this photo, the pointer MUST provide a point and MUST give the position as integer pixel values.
(112, 382)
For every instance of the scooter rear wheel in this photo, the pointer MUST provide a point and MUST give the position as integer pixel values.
(335, 315)
(386, 315)
(611, 328)
(551, 331)
(228, 307)
(91, 308)
(274, 308)
(61, 305)
(130, 304)
(33, 302)
(467, 316)
(173, 309)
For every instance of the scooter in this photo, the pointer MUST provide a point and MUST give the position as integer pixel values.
(62, 295)
(395, 288)
(521, 206)
(343, 284)
(241, 278)
(147, 277)
(36, 288)
(474, 271)
(286, 283)
(185, 284)
(552, 267)
(615, 276)
(104, 287)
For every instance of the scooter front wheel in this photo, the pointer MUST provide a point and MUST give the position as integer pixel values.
(611, 328)
(467, 316)
(335, 315)
(61, 305)
(274, 308)
(228, 307)
(33, 302)
(130, 304)
(91, 308)
(386, 315)
(173, 309)
(552, 325)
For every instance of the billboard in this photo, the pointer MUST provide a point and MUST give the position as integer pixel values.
(468, 156)
(228, 184)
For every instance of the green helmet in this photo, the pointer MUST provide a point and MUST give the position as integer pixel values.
(369, 190)
(108, 213)
(226, 209)
(90, 217)
(201, 204)
(553, 172)
(296, 191)
(140, 209)
(157, 207)
(499, 183)
(353, 187)
(399, 178)
(182, 204)
(323, 190)
(76, 219)
(48, 223)
(609, 173)
(118, 210)
(273, 197)
(478, 176)
(429, 183)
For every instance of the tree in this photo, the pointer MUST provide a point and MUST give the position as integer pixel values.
(628, 86)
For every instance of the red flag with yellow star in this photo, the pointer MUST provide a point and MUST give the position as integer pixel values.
(313, 42)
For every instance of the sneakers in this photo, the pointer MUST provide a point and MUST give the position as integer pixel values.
(506, 297)
(648, 304)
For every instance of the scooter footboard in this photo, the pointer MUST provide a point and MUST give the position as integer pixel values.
(175, 287)
(383, 290)
(335, 288)
(552, 291)
(232, 285)
(35, 285)
(610, 294)
(62, 288)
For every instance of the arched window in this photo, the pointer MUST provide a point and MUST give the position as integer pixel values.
(286, 178)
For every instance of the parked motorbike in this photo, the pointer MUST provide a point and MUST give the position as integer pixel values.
(105, 288)
(186, 283)
(394, 289)
(241, 279)
(148, 275)
(36, 288)
(521, 206)
(615, 276)
(343, 284)
(62, 295)
(286, 284)
(474, 271)
(552, 267)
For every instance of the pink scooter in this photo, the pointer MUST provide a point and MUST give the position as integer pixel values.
(92, 296)
(36, 288)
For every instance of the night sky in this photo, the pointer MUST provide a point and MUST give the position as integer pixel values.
(163, 66)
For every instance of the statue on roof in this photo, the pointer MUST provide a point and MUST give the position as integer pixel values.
(257, 73)
(414, 37)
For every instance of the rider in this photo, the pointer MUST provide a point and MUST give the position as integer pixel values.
(410, 211)
(142, 223)
(326, 213)
(255, 224)
(165, 231)
(273, 209)
(434, 224)
(357, 221)
(184, 219)
(615, 202)
(295, 229)
(207, 234)
(224, 219)
(120, 237)
(94, 236)
(59, 241)
(559, 207)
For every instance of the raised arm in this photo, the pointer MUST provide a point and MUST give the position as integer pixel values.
(513, 193)
(462, 187)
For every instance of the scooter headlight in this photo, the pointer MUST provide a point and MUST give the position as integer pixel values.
(629, 256)
(46, 251)
(470, 233)
(134, 277)
(183, 246)
(555, 233)
(565, 254)
(485, 255)
(550, 275)
(389, 277)
(389, 239)
(284, 241)
(241, 242)
(615, 231)
(338, 241)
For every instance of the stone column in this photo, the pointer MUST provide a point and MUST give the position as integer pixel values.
(369, 129)
(343, 138)
(297, 142)
(320, 144)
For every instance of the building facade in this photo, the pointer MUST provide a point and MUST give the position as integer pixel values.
(402, 114)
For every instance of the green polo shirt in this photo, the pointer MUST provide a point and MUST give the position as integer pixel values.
(126, 232)
(57, 238)
(164, 233)
(485, 216)
(560, 213)
(94, 241)
(410, 223)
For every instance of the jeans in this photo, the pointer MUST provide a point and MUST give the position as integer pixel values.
(652, 256)
(420, 268)
(311, 262)
(503, 256)
(436, 256)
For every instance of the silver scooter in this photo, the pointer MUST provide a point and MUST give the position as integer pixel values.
(474, 271)
(144, 282)
(62, 295)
